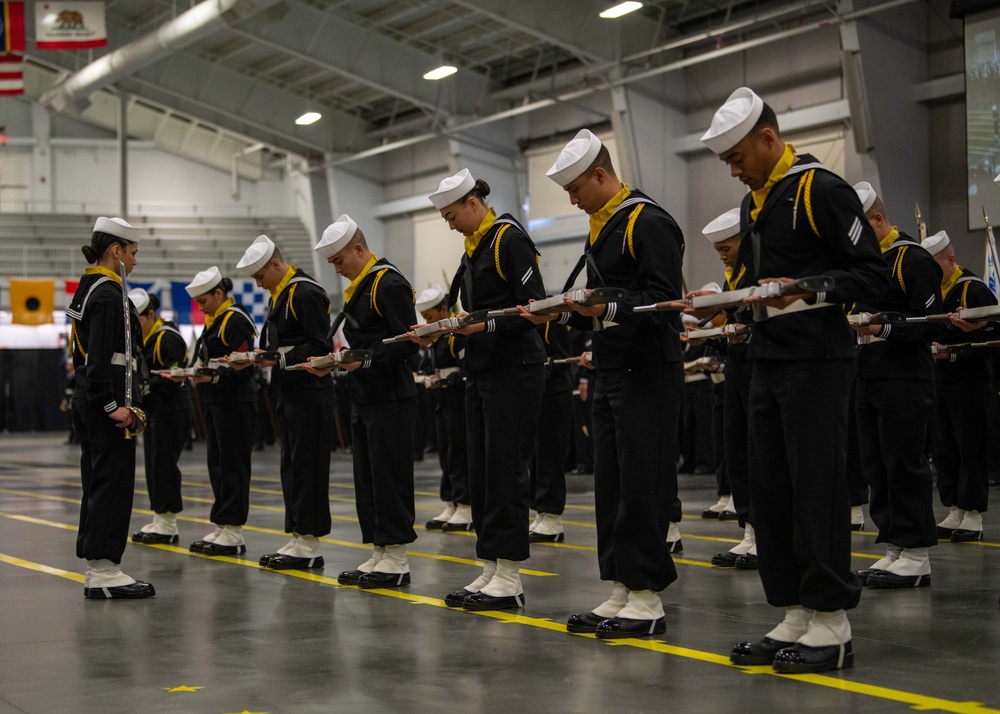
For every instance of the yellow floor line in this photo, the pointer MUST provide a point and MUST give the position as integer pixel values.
(916, 701)
(38, 567)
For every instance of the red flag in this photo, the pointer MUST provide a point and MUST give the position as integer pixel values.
(12, 27)
(11, 74)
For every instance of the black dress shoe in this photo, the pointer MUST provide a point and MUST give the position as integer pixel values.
(154, 538)
(450, 527)
(134, 591)
(204, 547)
(265, 559)
(291, 562)
(725, 560)
(434, 525)
(350, 577)
(885, 579)
(801, 659)
(675, 546)
(482, 601)
(729, 516)
(617, 627)
(456, 598)
(757, 653)
(709, 513)
(964, 535)
(746, 562)
(546, 538)
(945, 532)
(376, 579)
(586, 622)
(865, 575)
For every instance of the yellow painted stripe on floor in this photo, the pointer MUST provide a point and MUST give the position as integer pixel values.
(38, 567)
(45, 496)
(38, 521)
(916, 701)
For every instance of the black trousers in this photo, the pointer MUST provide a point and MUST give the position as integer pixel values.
(107, 470)
(304, 417)
(635, 472)
(892, 428)
(501, 409)
(857, 484)
(382, 439)
(230, 427)
(449, 416)
(696, 452)
(548, 463)
(719, 440)
(798, 484)
(163, 441)
(584, 429)
(961, 444)
(736, 428)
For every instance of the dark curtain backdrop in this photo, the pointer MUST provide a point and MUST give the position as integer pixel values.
(32, 382)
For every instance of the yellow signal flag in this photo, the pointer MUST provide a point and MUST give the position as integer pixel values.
(32, 301)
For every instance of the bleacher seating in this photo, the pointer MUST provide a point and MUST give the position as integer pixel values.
(172, 247)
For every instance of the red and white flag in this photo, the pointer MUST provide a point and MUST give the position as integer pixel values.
(70, 25)
(11, 74)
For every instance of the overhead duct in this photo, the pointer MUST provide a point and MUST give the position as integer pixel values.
(200, 21)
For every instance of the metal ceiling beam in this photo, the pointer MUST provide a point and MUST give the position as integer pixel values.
(201, 20)
(577, 75)
(834, 21)
(335, 69)
(585, 55)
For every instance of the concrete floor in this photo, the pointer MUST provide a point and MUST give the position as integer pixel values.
(222, 635)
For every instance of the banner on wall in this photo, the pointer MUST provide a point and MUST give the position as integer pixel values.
(12, 27)
(32, 301)
(11, 74)
(70, 25)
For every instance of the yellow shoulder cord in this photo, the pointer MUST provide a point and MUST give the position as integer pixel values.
(897, 268)
(496, 249)
(156, 348)
(965, 293)
(805, 190)
(451, 346)
(222, 327)
(631, 225)
(74, 338)
(375, 283)
(547, 325)
(291, 294)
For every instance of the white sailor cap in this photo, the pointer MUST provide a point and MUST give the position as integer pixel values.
(733, 120)
(337, 235)
(118, 228)
(452, 189)
(866, 194)
(936, 243)
(256, 256)
(204, 281)
(575, 158)
(724, 227)
(139, 298)
(431, 297)
(713, 287)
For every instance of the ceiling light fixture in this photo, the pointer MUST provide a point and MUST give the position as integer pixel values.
(308, 118)
(445, 70)
(621, 9)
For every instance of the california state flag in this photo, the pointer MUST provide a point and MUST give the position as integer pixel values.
(70, 25)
